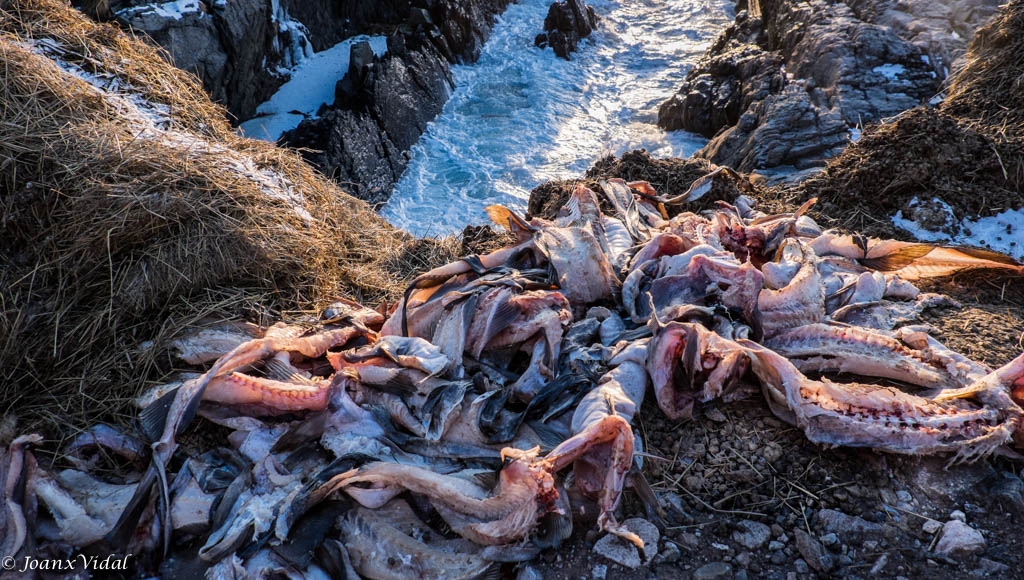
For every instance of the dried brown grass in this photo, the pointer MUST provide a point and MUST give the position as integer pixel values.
(116, 228)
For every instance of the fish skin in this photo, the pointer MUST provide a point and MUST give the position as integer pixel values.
(887, 419)
(380, 551)
(800, 302)
(17, 490)
(830, 348)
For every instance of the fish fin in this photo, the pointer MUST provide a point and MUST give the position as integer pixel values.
(549, 436)
(898, 259)
(486, 479)
(119, 535)
(153, 418)
(300, 432)
(475, 264)
(572, 210)
(804, 207)
(985, 254)
(503, 316)
(493, 572)
(281, 371)
(500, 215)
(309, 531)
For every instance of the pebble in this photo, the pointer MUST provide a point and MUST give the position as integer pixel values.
(531, 573)
(988, 567)
(959, 539)
(752, 535)
(813, 554)
(742, 559)
(840, 523)
(879, 564)
(958, 515)
(777, 530)
(775, 545)
(778, 558)
(931, 526)
(670, 553)
(801, 567)
(619, 551)
(904, 496)
(715, 415)
(830, 539)
(713, 571)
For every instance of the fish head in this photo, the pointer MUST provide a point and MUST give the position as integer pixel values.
(688, 363)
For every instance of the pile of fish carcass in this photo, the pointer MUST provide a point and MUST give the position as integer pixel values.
(439, 441)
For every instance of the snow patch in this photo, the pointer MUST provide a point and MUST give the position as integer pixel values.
(310, 87)
(1003, 232)
(889, 71)
(174, 10)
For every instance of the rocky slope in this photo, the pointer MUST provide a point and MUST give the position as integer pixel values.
(790, 83)
(243, 51)
(384, 103)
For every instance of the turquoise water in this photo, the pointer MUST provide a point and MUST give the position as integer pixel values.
(520, 116)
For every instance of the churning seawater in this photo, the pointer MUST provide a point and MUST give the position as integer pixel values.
(520, 116)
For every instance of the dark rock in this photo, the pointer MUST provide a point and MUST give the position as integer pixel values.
(785, 85)
(568, 22)
(846, 526)
(812, 552)
(713, 571)
(384, 105)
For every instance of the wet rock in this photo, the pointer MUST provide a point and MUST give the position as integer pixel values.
(713, 571)
(847, 526)
(567, 23)
(812, 551)
(752, 535)
(959, 539)
(786, 83)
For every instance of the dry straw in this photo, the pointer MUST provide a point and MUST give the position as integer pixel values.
(130, 210)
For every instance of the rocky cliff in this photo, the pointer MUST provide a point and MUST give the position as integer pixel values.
(791, 82)
(243, 51)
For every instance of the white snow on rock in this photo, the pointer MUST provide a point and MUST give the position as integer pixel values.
(173, 10)
(1003, 232)
(889, 71)
(311, 86)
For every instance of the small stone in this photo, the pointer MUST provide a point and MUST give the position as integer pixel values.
(801, 567)
(931, 526)
(689, 540)
(741, 575)
(713, 571)
(959, 539)
(879, 564)
(619, 551)
(669, 554)
(742, 559)
(648, 532)
(846, 525)
(988, 567)
(958, 515)
(715, 415)
(778, 558)
(813, 554)
(830, 539)
(777, 530)
(904, 496)
(600, 572)
(775, 545)
(531, 573)
(751, 535)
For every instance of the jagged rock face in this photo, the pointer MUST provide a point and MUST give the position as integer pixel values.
(567, 23)
(382, 107)
(786, 87)
(228, 45)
